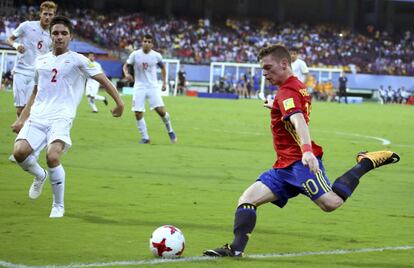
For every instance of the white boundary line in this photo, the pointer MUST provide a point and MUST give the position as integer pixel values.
(382, 140)
(192, 259)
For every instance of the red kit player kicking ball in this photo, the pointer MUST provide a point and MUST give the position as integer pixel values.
(298, 168)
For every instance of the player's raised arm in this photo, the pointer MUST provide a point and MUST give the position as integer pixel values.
(111, 90)
(18, 124)
(302, 129)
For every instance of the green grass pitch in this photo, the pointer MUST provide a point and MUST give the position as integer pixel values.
(118, 191)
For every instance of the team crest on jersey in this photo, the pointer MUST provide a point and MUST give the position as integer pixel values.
(304, 92)
(288, 104)
(91, 64)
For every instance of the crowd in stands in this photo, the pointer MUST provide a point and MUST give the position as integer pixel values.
(201, 41)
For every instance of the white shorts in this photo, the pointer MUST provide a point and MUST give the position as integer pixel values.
(92, 87)
(140, 95)
(22, 89)
(41, 133)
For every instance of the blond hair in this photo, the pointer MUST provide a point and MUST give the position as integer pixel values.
(48, 5)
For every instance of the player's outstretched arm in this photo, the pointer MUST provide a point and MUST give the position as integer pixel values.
(18, 124)
(11, 40)
(164, 78)
(111, 90)
(308, 158)
(125, 69)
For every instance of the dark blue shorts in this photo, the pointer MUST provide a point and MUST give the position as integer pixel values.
(296, 179)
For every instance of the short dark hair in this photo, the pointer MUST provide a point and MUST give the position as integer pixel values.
(278, 52)
(294, 49)
(61, 20)
(149, 36)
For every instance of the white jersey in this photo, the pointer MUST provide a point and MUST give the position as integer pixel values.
(145, 68)
(300, 69)
(60, 84)
(92, 83)
(35, 40)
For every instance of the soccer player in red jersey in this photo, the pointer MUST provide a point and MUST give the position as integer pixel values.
(298, 168)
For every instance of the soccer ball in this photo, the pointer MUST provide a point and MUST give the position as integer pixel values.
(167, 241)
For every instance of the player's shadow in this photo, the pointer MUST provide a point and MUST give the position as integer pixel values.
(206, 227)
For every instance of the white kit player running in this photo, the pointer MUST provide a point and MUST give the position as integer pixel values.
(92, 87)
(60, 78)
(31, 39)
(299, 67)
(144, 63)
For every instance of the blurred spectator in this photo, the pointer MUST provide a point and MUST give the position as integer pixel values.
(222, 85)
(343, 80)
(7, 81)
(299, 67)
(182, 81)
(383, 95)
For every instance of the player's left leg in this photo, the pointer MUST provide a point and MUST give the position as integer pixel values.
(58, 142)
(161, 111)
(57, 177)
(91, 101)
(345, 185)
(101, 98)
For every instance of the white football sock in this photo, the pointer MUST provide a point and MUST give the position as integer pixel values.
(57, 179)
(30, 165)
(99, 97)
(167, 122)
(142, 127)
(91, 102)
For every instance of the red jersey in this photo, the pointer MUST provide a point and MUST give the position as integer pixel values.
(292, 97)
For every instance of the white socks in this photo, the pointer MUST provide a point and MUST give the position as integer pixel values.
(167, 122)
(99, 97)
(91, 102)
(57, 180)
(142, 127)
(30, 165)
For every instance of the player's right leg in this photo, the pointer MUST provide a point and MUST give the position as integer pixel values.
(138, 107)
(57, 177)
(245, 219)
(165, 117)
(22, 89)
(29, 141)
(142, 128)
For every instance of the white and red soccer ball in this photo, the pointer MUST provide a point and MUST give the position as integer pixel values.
(167, 241)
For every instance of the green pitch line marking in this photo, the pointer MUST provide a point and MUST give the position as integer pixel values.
(199, 259)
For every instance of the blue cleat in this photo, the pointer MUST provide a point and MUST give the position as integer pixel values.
(173, 137)
(145, 141)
